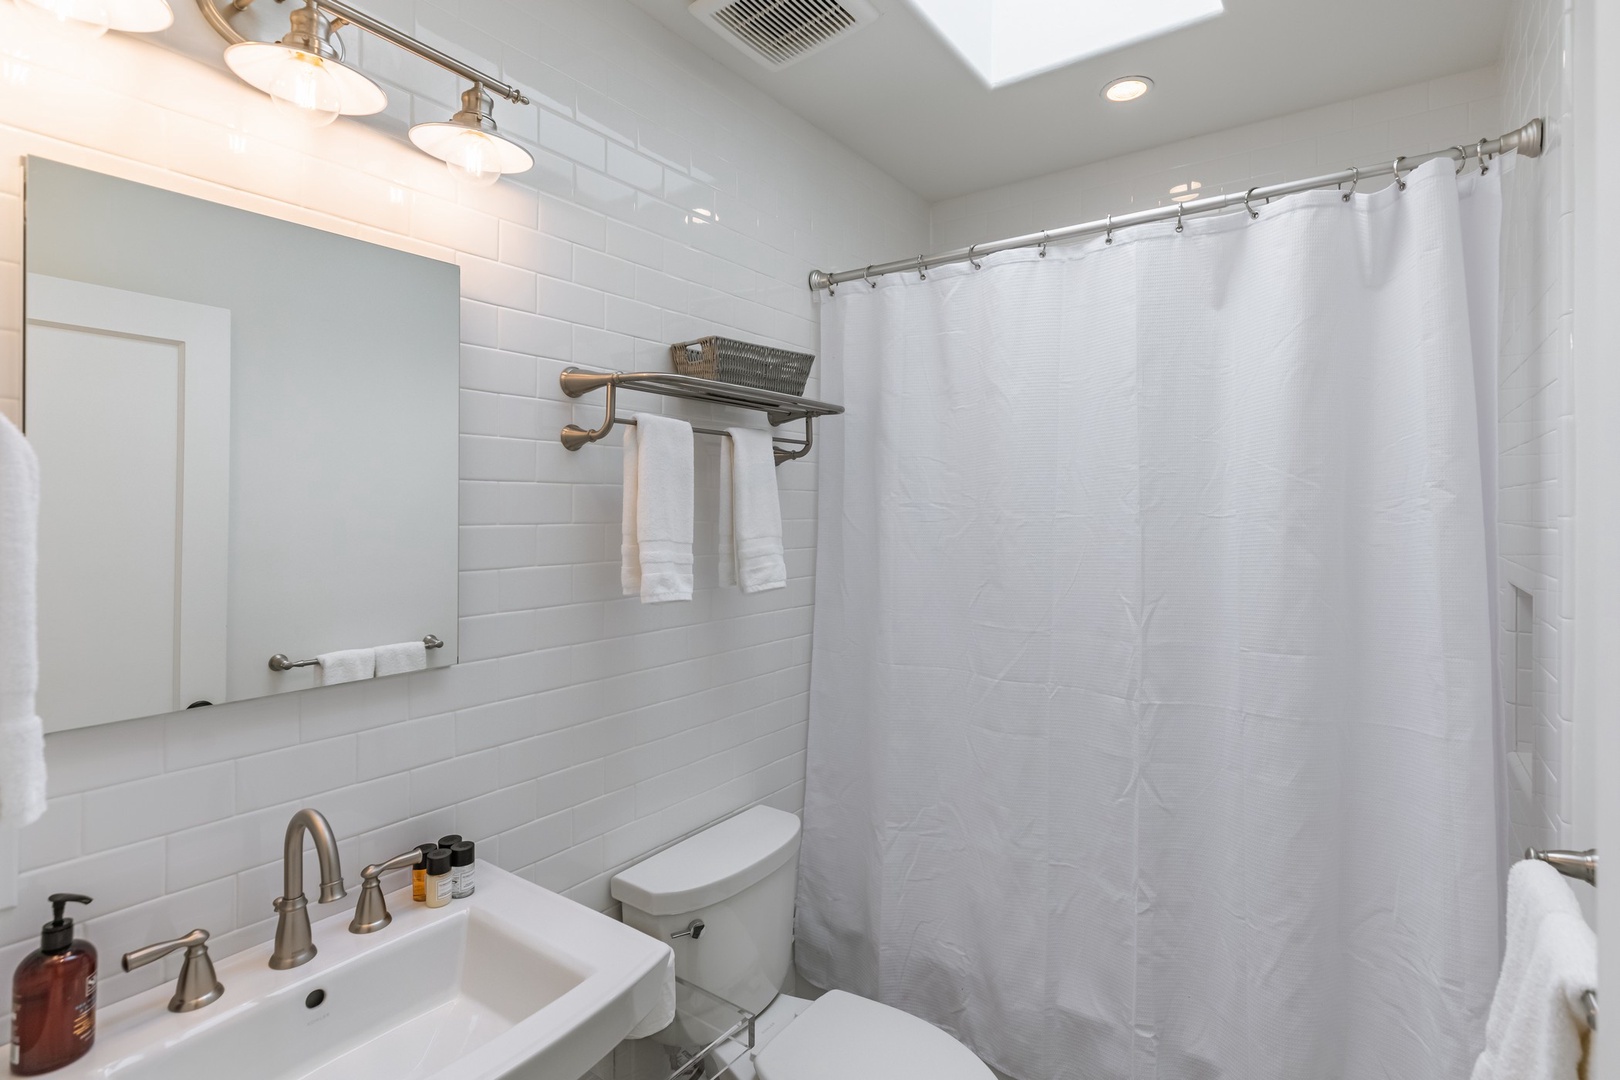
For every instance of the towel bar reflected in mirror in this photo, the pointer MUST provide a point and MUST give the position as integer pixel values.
(279, 662)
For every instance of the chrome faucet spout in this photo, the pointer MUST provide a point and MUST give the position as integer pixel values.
(293, 943)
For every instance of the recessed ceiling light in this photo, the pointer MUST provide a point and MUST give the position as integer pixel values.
(1187, 192)
(1128, 88)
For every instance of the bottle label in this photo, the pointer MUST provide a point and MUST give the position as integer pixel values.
(442, 886)
(84, 1014)
(464, 882)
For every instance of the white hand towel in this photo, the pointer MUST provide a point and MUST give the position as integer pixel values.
(1537, 1026)
(657, 532)
(398, 659)
(22, 740)
(348, 665)
(750, 513)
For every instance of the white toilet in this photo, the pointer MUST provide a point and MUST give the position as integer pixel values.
(737, 879)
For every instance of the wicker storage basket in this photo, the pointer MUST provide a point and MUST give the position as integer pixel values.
(742, 363)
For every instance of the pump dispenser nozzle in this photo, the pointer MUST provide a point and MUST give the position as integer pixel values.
(56, 936)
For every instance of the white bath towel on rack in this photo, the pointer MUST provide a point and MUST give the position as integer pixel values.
(22, 739)
(401, 658)
(657, 532)
(346, 665)
(1537, 1028)
(750, 513)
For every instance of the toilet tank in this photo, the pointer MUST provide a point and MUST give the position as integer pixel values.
(738, 878)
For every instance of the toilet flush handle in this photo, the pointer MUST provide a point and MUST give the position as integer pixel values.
(694, 930)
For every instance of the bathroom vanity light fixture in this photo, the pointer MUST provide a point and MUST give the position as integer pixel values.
(1127, 88)
(95, 17)
(470, 144)
(303, 69)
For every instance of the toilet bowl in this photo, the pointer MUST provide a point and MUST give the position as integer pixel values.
(723, 900)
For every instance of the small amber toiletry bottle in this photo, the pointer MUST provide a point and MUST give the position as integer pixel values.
(461, 870)
(419, 874)
(53, 997)
(438, 877)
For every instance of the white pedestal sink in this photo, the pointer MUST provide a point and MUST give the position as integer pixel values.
(514, 981)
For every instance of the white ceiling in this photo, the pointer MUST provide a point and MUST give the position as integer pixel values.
(898, 95)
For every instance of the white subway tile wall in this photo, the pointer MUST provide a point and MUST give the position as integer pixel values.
(1407, 120)
(581, 729)
(1537, 428)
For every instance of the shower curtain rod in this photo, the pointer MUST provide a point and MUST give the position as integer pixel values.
(1527, 140)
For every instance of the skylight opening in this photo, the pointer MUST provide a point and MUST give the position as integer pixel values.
(1005, 41)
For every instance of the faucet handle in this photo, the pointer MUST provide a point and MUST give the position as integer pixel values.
(371, 913)
(197, 985)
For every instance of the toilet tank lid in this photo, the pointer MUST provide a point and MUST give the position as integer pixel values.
(714, 865)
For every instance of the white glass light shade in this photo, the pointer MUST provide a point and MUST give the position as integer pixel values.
(473, 156)
(86, 18)
(95, 16)
(317, 89)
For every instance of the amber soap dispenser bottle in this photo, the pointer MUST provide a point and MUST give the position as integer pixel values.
(53, 997)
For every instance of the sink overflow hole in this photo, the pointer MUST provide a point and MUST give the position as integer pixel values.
(315, 998)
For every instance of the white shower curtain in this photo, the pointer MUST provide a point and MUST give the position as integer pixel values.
(1151, 703)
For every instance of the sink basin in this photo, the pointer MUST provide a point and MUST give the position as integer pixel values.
(514, 981)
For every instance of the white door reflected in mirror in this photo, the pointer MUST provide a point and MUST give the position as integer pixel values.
(128, 408)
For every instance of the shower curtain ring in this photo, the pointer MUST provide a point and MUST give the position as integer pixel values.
(1043, 244)
(867, 277)
(1108, 236)
(1484, 159)
(975, 263)
(1399, 183)
(1247, 195)
(922, 268)
(1462, 158)
(1179, 209)
(1355, 178)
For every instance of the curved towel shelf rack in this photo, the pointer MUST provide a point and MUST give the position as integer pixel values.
(778, 408)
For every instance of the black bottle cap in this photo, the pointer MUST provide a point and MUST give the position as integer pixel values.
(446, 841)
(438, 861)
(56, 936)
(425, 849)
(461, 854)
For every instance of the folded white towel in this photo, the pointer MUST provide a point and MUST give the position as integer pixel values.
(750, 513)
(347, 665)
(657, 544)
(398, 659)
(1537, 1025)
(22, 740)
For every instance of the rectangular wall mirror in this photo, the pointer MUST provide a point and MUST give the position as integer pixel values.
(247, 433)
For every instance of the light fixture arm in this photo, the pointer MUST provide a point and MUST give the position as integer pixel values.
(343, 13)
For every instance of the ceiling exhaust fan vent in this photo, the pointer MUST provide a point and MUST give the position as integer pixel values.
(781, 32)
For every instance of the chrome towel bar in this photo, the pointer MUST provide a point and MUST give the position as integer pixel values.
(1582, 866)
(279, 662)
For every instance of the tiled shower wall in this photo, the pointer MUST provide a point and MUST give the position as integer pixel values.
(1537, 432)
(581, 729)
